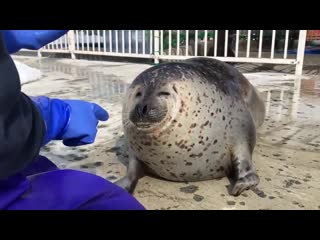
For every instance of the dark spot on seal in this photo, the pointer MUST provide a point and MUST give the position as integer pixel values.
(215, 141)
(77, 158)
(212, 114)
(193, 125)
(175, 89)
(168, 157)
(198, 198)
(173, 175)
(188, 163)
(205, 124)
(271, 197)
(207, 160)
(196, 155)
(290, 182)
(211, 170)
(162, 162)
(276, 155)
(259, 193)
(182, 174)
(198, 99)
(244, 195)
(223, 118)
(179, 125)
(189, 189)
(220, 169)
(98, 164)
(146, 143)
(242, 203)
(231, 203)
(169, 145)
(179, 143)
(268, 179)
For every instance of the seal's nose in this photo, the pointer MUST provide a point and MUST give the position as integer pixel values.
(142, 110)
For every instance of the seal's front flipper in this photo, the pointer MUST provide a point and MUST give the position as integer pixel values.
(134, 173)
(243, 172)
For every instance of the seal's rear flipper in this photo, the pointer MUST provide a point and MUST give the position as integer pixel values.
(134, 173)
(244, 176)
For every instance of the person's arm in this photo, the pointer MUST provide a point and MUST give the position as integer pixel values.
(21, 126)
(72, 121)
(30, 39)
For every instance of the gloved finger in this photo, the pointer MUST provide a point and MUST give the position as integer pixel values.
(74, 142)
(100, 113)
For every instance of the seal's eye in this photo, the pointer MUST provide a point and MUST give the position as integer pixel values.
(138, 94)
(163, 94)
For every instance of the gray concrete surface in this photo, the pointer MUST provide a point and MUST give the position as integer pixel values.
(287, 155)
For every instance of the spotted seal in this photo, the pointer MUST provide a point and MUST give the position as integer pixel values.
(190, 121)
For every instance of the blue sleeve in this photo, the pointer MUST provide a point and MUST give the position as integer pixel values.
(30, 39)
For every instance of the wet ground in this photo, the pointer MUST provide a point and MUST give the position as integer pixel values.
(287, 155)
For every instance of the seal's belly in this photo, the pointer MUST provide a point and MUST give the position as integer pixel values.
(195, 168)
(190, 158)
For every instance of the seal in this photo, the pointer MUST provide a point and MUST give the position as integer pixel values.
(191, 121)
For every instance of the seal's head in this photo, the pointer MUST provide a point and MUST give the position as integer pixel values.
(152, 100)
(150, 105)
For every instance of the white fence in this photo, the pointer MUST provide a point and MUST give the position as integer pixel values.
(252, 46)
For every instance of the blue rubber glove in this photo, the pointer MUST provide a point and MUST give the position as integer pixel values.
(30, 39)
(73, 121)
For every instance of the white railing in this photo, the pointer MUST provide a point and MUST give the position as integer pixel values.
(247, 46)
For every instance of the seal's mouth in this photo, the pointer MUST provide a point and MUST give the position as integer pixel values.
(144, 116)
(144, 125)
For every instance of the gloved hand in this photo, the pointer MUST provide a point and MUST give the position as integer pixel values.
(73, 121)
(30, 39)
